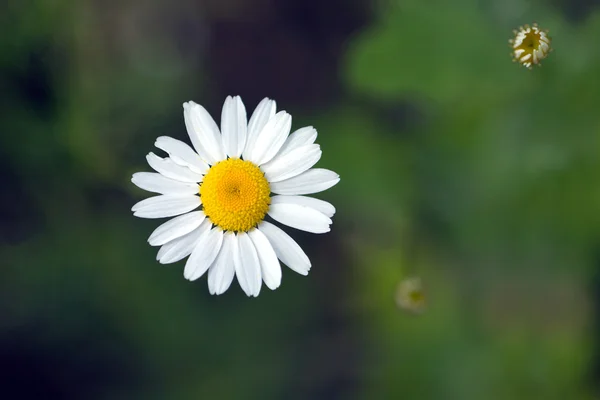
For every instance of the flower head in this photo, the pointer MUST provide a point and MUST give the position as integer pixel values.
(530, 45)
(410, 295)
(236, 176)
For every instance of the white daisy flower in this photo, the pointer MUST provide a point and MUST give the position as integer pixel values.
(236, 177)
(410, 295)
(530, 45)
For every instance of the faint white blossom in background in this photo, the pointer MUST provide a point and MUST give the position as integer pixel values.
(530, 45)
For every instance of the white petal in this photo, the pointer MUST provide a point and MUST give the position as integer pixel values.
(300, 217)
(271, 138)
(222, 271)
(247, 265)
(312, 181)
(165, 206)
(176, 227)
(293, 163)
(233, 126)
(320, 205)
(157, 183)
(181, 154)
(301, 137)
(204, 133)
(287, 250)
(204, 254)
(269, 265)
(261, 115)
(182, 247)
(168, 168)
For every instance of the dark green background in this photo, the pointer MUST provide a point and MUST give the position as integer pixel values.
(456, 165)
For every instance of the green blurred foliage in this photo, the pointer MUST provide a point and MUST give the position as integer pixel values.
(506, 164)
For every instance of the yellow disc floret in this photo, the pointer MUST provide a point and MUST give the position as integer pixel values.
(235, 195)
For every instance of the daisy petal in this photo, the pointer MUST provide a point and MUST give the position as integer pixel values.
(261, 115)
(182, 247)
(181, 154)
(293, 163)
(204, 254)
(176, 227)
(300, 217)
(301, 137)
(166, 167)
(269, 265)
(312, 181)
(247, 265)
(203, 132)
(271, 138)
(222, 271)
(157, 183)
(165, 206)
(233, 126)
(287, 250)
(320, 205)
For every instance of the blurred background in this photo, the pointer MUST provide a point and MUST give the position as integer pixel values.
(458, 167)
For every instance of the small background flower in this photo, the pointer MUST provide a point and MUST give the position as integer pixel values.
(530, 45)
(410, 295)
(456, 166)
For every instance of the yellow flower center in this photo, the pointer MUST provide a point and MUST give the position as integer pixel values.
(235, 195)
(417, 296)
